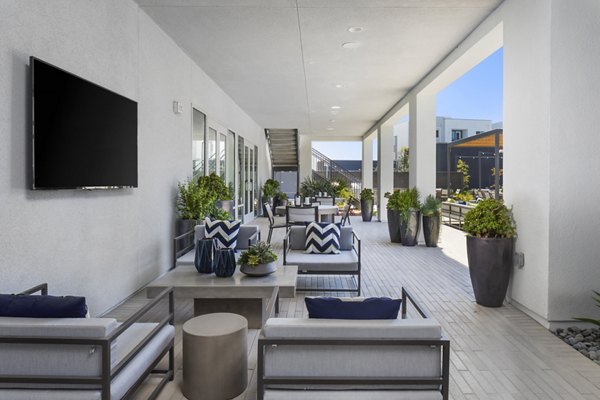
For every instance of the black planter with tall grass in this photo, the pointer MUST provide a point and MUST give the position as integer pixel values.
(409, 208)
(432, 219)
(366, 204)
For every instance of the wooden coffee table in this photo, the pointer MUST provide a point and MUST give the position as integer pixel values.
(255, 298)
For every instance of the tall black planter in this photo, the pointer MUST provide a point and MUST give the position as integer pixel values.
(183, 226)
(431, 230)
(366, 210)
(394, 226)
(490, 263)
(409, 229)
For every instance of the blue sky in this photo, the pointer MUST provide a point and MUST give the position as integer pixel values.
(477, 94)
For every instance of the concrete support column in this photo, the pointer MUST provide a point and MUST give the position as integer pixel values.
(367, 162)
(421, 142)
(385, 151)
(305, 158)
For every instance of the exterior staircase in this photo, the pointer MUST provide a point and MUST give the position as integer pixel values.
(325, 168)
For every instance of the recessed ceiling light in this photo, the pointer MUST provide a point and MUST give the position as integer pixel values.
(339, 85)
(329, 128)
(335, 107)
(355, 29)
(332, 120)
(350, 45)
(311, 63)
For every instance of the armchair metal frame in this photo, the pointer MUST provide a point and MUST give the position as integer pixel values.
(107, 373)
(443, 343)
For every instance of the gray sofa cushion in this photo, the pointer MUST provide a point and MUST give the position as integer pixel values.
(346, 261)
(300, 328)
(298, 238)
(353, 395)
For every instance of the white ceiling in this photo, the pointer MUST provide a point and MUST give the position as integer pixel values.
(281, 59)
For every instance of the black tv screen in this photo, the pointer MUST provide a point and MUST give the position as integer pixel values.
(84, 136)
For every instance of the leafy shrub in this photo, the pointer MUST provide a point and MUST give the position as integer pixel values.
(215, 187)
(463, 196)
(393, 200)
(260, 253)
(463, 168)
(431, 206)
(191, 202)
(311, 187)
(270, 188)
(366, 194)
(490, 219)
(408, 200)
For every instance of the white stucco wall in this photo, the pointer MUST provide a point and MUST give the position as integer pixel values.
(527, 145)
(575, 167)
(101, 244)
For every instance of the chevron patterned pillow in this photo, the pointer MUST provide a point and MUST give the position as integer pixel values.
(224, 232)
(322, 238)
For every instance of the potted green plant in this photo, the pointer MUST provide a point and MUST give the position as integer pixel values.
(191, 208)
(366, 204)
(270, 189)
(218, 195)
(490, 247)
(393, 215)
(258, 260)
(410, 216)
(432, 215)
(280, 199)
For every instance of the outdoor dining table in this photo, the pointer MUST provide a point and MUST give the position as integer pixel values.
(325, 211)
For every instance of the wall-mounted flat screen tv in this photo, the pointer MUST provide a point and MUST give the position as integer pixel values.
(84, 136)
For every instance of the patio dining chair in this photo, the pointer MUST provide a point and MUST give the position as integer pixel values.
(346, 214)
(295, 215)
(272, 223)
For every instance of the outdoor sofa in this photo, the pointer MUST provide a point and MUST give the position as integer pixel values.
(84, 358)
(335, 359)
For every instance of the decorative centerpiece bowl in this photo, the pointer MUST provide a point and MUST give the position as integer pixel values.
(258, 260)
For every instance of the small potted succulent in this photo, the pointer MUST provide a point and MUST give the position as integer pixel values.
(258, 260)
(366, 204)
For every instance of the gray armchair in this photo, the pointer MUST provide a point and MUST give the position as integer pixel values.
(345, 263)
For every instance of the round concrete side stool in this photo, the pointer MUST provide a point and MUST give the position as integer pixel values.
(215, 356)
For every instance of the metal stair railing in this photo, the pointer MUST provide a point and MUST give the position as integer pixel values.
(325, 168)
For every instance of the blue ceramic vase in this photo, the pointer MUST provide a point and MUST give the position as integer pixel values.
(224, 262)
(204, 260)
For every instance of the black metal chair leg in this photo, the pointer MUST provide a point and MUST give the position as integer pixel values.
(270, 233)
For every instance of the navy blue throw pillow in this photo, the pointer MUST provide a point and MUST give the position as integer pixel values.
(369, 308)
(35, 306)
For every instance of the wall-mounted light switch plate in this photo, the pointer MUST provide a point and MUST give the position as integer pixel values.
(519, 259)
(177, 107)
